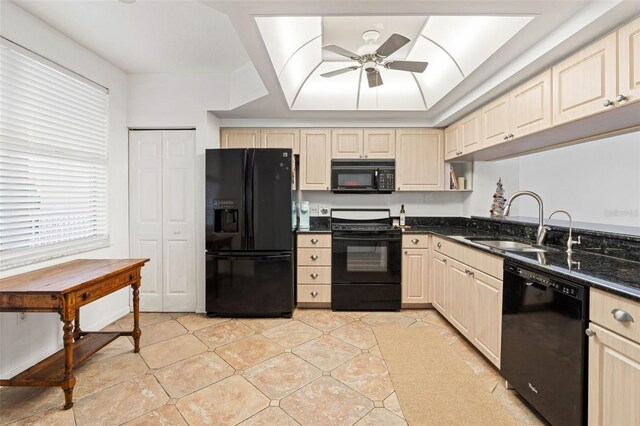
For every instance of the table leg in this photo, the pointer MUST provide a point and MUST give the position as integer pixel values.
(69, 381)
(76, 327)
(136, 317)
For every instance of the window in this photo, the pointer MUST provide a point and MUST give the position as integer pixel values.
(53, 160)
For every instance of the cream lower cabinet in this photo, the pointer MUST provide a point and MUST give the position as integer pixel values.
(415, 270)
(314, 270)
(440, 283)
(461, 306)
(315, 159)
(419, 159)
(487, 315)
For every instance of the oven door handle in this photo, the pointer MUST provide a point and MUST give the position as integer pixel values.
(367, 238)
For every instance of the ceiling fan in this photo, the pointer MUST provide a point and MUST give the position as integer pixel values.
(370, 56)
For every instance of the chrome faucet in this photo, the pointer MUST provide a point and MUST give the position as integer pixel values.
(570, 240)
(542, 230)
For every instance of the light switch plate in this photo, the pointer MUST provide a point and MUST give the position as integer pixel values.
(313, 210)
(324, 210)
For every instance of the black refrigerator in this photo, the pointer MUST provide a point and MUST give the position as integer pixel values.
(249, 266)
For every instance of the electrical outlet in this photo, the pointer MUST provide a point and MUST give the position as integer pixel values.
(22, 316)
(324, 210)
(313, 210)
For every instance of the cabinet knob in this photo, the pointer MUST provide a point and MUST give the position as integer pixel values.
(131, 277)
(314, 275)
(510, 135)
(589, 332)
(439, 245)
(406, 252)
(458, 152)
(366, 156)
(505, 137)
(314, 241)
(361, 156)
(607, 103)
(314, 294)
(314, 257)
(398, 188)
(621, 98)
(86, 295)
(415, 241)
(622, 316)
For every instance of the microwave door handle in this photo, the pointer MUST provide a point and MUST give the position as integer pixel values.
(375, 179)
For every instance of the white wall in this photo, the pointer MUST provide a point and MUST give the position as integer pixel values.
(24, 343)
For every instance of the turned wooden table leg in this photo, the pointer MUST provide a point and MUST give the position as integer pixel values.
(76, 327)
(69, 381)
(136, 317)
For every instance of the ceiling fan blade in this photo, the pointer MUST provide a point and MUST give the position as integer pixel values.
(411, 66)
(340, 51)
(393, 43)
(338, 72)
(374, 78)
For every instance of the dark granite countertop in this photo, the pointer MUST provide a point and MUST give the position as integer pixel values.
(315, 230)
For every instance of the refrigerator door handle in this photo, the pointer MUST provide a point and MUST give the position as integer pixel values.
(249, 198)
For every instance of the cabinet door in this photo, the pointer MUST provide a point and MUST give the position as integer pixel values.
(471, 132)
(487, 310)
(439, 281)
(614, 379)
(585, 83)
(496, 121)
(315, 159)
(461, 294)
(452, 141)
(531, 105)
(415, 276)
(346, 143)
(281, 138)
(629, 62)
(380, 143)
(419, 159)
(239, 138)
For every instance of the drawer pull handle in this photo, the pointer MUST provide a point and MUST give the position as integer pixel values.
(131, 277)
(314, 275)
(86, 295)
(314, 294)
(314, 257)
(622, 316)
(415, 241)
(469, 272)
(439, 245)
(589, 332)
(314, 241)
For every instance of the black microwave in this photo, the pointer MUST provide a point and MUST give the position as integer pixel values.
(363, 176)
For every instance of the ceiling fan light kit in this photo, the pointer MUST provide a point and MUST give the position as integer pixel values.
(370, 56)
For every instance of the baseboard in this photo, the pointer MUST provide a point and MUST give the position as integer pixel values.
(28, 361)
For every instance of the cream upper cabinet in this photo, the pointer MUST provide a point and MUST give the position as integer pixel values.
(379, 143)
(471, 132)
(280, 138)
(531, 106)
(315, 159)
(496, 121)
(419, 159)
(239, 138)
(614, 379)
(461, 298)
(585, 83)
(452, 141)
(629, 63)
(347, 143)
(440, 283)
(487, 315)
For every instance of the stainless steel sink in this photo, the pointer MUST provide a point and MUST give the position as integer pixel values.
(510, 246)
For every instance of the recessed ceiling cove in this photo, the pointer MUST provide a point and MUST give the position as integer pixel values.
(379, 63)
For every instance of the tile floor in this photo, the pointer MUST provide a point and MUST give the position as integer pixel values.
(319, 368)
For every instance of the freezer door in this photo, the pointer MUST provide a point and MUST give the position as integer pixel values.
(269, 199)
(256, 285)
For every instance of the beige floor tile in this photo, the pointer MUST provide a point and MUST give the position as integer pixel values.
(356, 314)
(388, 319)
(160, 331)
(20, 402)
(101, 373)
(381, 416)
(300, 312)
(516, 406)
(119, 346)
(434, 317)
(53, 417)
(146, 318)
(375, 351)
(272, 416)
(292, 334)
(326, 402)
(120, 403)
(281, 375)
(167, 415)
(262, 324)
(357, 334)
(222, 334)
(249, 351)
(180, 314)
(227, 402)
(368, 375)
(417, 313)
(194, 322)
(173, 350)
(326, 321)
(193, 373)
(326, 352)
(392, 404)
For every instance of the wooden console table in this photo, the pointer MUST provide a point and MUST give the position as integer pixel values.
(64, 289)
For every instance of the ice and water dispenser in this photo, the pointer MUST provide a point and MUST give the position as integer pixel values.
(226, 216)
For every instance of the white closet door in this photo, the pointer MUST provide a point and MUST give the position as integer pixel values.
(145, 213)
(179, 262)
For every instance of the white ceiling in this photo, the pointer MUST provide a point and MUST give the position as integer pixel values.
(148, 36)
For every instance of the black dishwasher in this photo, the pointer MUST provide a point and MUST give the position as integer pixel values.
(544, 354)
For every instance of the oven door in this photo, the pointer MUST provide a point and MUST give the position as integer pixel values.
(346, 179)
(367, 258)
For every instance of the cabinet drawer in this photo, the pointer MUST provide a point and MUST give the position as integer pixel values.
(487, 263)
(415, 241)
(316, 275)
(602, 308)
(314, 257)
(449, 248)
(314, 240)
(314, 294)
(103, 288)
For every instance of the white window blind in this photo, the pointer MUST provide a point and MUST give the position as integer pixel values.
(53, 160)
